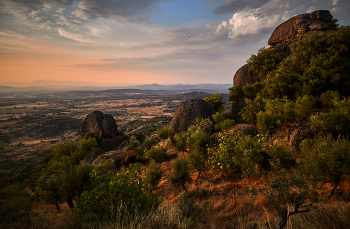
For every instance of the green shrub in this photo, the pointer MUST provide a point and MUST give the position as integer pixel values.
(126, 193)
(187, 205)
(240, 152)
(180, 175)
(224, 124)
(165, 132)
(326, 158)
(156, 153)
(215, 101)
(196, 159)
(154, 173)
(236, 94)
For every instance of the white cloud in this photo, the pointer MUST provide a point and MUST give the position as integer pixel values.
(73, 36)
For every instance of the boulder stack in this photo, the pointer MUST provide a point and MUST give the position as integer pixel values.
(102, 125)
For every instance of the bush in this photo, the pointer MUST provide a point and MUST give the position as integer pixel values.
(236, 94)
(165, 132)
(215, 101)
(154, 173)
(156, 153)
(126, 193)
(180, 175)
(326, 159)
(241, 153)
(196, 159)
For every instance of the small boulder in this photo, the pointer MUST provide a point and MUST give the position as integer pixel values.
(103, 125)
(187, 113)
(244, 77)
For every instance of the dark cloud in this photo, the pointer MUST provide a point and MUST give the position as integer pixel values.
(238, 5)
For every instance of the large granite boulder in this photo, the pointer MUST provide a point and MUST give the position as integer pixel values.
(103, 125)
(244, 77)
(187, 113)
(300, 24)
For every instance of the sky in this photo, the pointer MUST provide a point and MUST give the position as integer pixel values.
(125, 42)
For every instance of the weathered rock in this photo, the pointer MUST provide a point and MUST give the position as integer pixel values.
(108, 144)
(300, 133)
(103, 125)
(90, 157)
(185, 116)
(245, 129)
(120, 158)
(323, 15)
(294, 27)
(235, 108)
(244, 77)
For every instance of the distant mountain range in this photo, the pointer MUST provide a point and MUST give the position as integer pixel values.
(52, 85)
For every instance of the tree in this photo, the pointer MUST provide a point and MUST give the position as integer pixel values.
(180, 175)
(215, 101)
(236, 94)
(124, 194)
(326, 159)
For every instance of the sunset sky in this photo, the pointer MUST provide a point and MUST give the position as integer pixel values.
(121, 42)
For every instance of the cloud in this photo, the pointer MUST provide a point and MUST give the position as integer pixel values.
(73, 36)
(238, 5)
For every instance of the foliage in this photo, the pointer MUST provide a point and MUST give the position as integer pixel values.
(156, 153)
(154, 173)
(236, 94)
(336, 117)
(140, 149)
(223, 120)
(180, 175)
(215, 101)
(196, 159)
(240, 152)
(326, 159)
(264, 62)
(64, 178)
(126, 192)
(187, 205)
(194, 138)
(318, 65)
(284, 188)
(164, 132)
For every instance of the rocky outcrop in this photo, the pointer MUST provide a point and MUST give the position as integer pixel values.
(108, 144)
(244, 77)
(103, 125)
(187, 113)
(301, 24)
(235, 108)
(300, 133)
